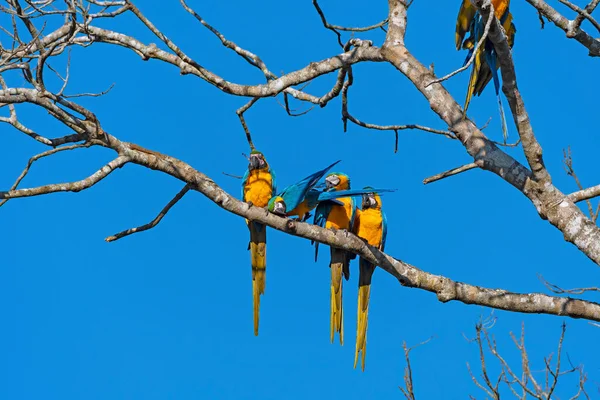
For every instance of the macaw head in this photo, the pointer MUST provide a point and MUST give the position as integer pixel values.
(277, 205)
(337, 181)
(371, 200)
(257, 161)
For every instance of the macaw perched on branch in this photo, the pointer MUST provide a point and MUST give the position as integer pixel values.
(258, 186)
(370, 225)
(299, 198)
(302, 197)
(336, 216)
(485, 65)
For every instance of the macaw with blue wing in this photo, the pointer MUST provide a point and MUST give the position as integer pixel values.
(258, 186)
(299, 198)
(485, 65)
(370, 225)
(336, 216)
(302, 197)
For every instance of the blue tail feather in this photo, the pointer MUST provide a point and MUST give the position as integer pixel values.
(491, 59)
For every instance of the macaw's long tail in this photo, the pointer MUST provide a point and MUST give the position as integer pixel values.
(364, 292)
(258, 252)
(473, 79)
(492, 61)
(337, 265)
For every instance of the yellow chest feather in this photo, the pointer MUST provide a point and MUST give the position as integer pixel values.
(259, 187)
(370, 226)
(339, 216)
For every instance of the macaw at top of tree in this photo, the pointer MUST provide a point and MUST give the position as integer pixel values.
(485, 65)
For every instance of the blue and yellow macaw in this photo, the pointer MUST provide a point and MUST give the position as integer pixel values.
(336, 216)
(371, 225)
(258, 186)
(302, 197)
(485, 66)
(299, 198)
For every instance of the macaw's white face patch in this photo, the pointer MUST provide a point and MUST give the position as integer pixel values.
(332, 181)
(369, 200)
(279, 208)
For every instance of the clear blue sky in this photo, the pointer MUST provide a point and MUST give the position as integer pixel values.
(167, 314)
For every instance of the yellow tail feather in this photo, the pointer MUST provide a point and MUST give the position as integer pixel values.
(364, 293)
(473, 79)
(336, 315)
(258, 249)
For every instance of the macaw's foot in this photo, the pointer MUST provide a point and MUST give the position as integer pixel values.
(250, 204)
(346, 232)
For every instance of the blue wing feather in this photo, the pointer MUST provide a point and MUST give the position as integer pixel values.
(324, 196)
(294, 194)
(383, 230)
(273, 181)
(320, 218)
(244, 181)
(491, 60)
(353, 215)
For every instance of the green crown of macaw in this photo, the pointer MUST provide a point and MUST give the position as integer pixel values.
(334, 202)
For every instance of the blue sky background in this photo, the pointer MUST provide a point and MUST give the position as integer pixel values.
(167, 314)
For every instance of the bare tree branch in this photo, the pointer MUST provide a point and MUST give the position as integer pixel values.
(408, 390)
(527, 383)
(37, 157)
(582, 13)
(240, 113)
(588, 9)
(585, 194)
(568, 164)
(572, 29)
(556, 289)
(155, 221)
(68, 187)
(454, 171)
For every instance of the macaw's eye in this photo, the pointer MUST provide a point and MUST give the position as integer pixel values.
(332, 181)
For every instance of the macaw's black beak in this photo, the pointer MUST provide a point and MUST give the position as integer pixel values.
(365, 201)
(368, 201)
(254, 163)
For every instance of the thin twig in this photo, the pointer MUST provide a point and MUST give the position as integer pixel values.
(451, 172)
(240, 113)
(558, 290)
(155, 221)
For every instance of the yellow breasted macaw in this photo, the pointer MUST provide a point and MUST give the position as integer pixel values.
(336, 216)
(258, 187)
(485, 66)
(371, 225)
